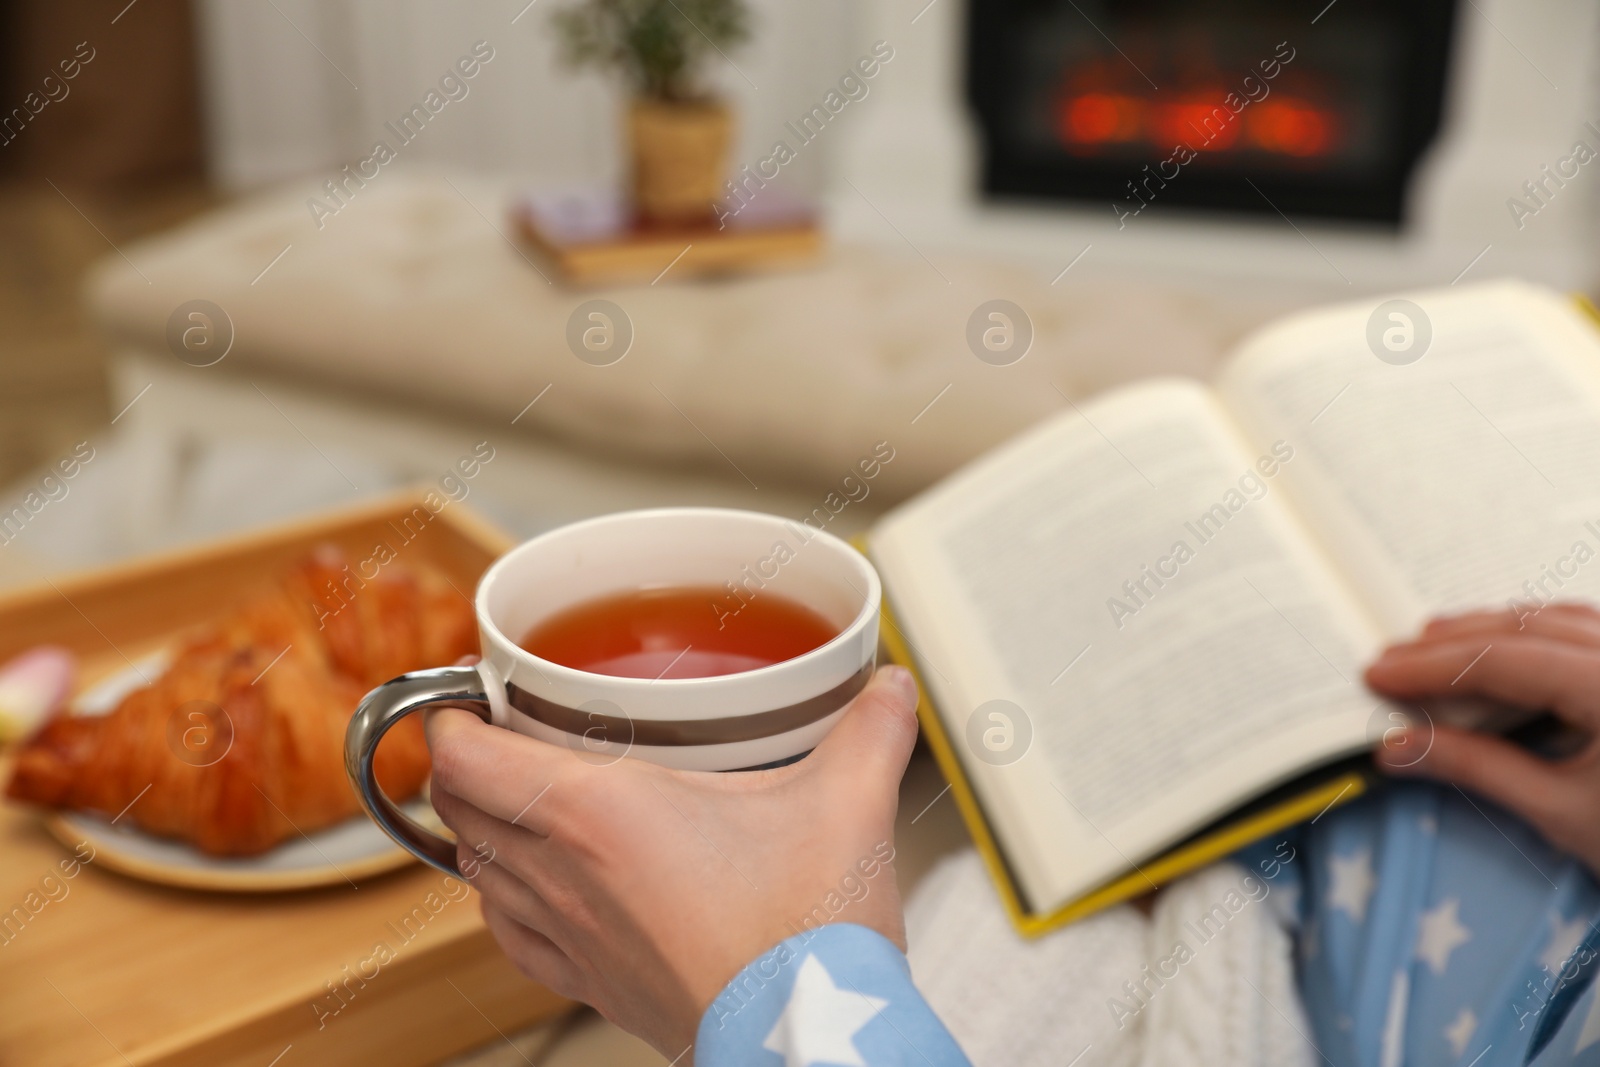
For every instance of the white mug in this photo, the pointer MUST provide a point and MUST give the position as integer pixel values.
(723, 722)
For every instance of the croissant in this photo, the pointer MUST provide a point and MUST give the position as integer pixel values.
(239, 744)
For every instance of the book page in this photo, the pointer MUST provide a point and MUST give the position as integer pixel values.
(1163, 637)
(1465, 479)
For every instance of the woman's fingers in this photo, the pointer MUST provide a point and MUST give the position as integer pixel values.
(514, 778)
(534, 954)
(1550, 796)
(1524, 670)
(532, 931)
(475, 827)
(1577, 623)
(491, 842)
(502, 888)
(1546, 659)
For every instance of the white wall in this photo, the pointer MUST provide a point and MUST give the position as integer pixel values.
(278, 107)
(898, 167)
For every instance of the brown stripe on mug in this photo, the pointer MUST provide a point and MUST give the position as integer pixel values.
(672, 732)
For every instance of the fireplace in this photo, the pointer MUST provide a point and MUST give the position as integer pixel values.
(1242, 105)
(1015, 127)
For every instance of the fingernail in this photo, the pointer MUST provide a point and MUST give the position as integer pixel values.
(901, 681)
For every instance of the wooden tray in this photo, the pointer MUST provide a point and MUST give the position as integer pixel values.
(101, 969)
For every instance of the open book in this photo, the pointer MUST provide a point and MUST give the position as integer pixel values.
(1142, 617)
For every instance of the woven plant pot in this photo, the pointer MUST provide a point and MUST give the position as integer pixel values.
(679, 154)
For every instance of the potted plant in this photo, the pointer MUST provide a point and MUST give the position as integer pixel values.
(678, 133)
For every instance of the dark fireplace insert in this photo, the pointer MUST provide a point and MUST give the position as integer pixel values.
(1313, 109)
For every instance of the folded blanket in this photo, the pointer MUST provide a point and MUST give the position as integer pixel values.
(1208, 978)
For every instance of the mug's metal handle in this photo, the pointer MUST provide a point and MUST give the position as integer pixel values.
(461, 687)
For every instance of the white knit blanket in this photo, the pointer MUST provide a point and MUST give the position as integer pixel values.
(1119, 988)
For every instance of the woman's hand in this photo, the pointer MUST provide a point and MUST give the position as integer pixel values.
(1549, 660)
(642, 890)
